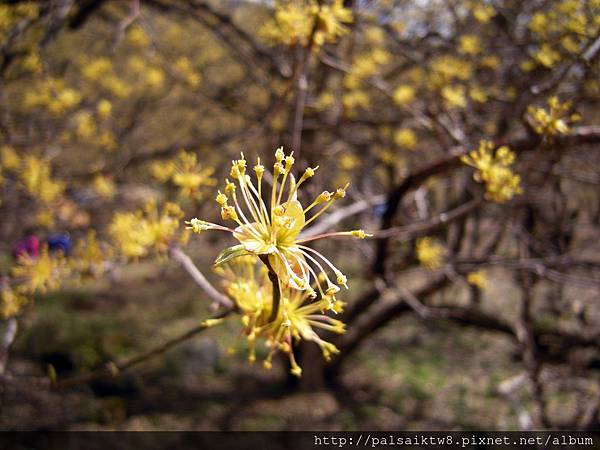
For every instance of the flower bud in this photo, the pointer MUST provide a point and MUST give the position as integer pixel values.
(229, 187)
(221, 199)
(228, 212)
(279, 154)
(324, 196)
(360, 234)
(197, 225)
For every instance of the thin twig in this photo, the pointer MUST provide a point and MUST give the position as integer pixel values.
(186, 262)
(111, 369)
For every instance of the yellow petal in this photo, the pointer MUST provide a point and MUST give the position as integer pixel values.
(254, 238)
(294, 218)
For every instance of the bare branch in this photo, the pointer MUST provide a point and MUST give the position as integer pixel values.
(111, 369)
(186, 262)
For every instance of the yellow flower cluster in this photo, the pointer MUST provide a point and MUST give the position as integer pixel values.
(404, 94)
(405, 138)
(104, 186)
(448, 74)
(482, 12)
(47, 271)
(246, 281)
(295, 21)
(53, 95)
(39, 274)
(273, 235)
(552, 121)
(494, 170)
(430, 253)
(136, 233)
(469, 44)
(364, 66)
(563, 28)
(101, 71)
(11, 301)
(478, 279)
(184, 67)
(137, 36)
(581, 18)
(454, 96)
(36, 177)
(185, 173)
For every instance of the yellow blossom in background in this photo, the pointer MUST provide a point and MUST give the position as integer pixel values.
(375, 35)
(538, 23)
(469, 44)
(478, 279)
(185, 68)
(11, 302)
(137, 36)
(528, 65)
(348, 161)
(551, 121)
(32, 62)
(447, 68)
(405, 138)
(39, 274)
(355, 99)
(294, 21)
(483, 12)
(430, 253)
(97, 69)
(494, 170)
(274, 232)
(184, 172)
(104, 186)
(478, 94)
(547, 56)
(102, 72)
(104, 108)
(37, 180)
(404, 94)
(9, 159)
(454, 96)
(291, 24)
(324, 101)
(85, 126)
(107, 140)
(189, 176)
(136, 233)
(154, 77)
(489, 61)
(163, 170)
(52, 94)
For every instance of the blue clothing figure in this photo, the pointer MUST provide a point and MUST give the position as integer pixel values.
(60, 242)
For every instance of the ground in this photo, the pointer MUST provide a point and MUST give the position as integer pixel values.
(414, 374)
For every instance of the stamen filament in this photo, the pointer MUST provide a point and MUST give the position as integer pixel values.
(321, 211)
